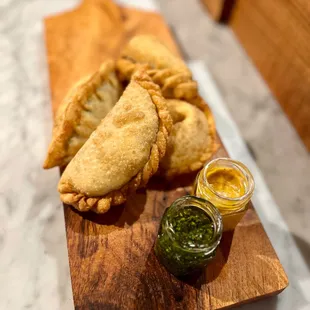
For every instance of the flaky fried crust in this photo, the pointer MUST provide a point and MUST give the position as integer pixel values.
(102, 204)
(166, 69)
(68, 135)
(207, 150)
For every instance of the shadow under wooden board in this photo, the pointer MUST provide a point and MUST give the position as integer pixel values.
(111, 256)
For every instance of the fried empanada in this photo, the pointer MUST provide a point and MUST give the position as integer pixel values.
(86, 104)
(122, 153)
(192, 138)
(166, 69)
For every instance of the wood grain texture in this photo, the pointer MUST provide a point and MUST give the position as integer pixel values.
(276, 35)
(111, 255)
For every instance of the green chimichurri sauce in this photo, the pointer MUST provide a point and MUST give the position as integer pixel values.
(183, 240)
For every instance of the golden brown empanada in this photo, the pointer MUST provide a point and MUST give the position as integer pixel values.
(86, 104)
(192, 138)
(122, 153)
(166, 69)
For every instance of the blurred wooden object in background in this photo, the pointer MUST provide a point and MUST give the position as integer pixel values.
(219, 10)
(276, 35)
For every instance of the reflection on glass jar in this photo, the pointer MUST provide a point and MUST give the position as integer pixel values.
(227, 184)
(189, 233)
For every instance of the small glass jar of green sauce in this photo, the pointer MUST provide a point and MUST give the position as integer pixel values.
(189, 233)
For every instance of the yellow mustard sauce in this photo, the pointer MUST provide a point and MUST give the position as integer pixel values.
(227, 182)
(229, 186)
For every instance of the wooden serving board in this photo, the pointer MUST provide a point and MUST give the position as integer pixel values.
(111, 255)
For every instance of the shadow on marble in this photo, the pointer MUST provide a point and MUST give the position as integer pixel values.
(304, 248)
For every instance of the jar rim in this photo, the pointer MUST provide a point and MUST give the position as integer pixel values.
(242, 168)
(215, 216)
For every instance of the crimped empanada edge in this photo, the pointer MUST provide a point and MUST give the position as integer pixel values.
(176, 84)
(57, 151)
(116, 197)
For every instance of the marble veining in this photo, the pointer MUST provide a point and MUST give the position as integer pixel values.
(34, 270)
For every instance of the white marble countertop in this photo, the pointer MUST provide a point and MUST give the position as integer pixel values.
(34, 271)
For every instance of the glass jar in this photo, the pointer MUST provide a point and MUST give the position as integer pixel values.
(228, 185)
(189, 233)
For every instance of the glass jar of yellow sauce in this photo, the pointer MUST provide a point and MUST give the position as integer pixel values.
(228, 185)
